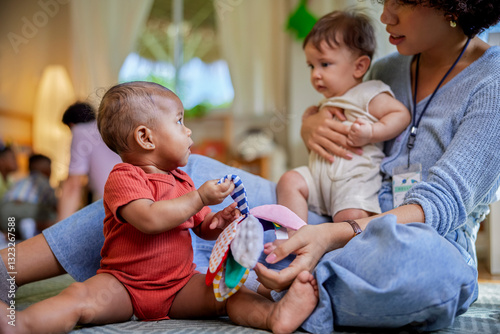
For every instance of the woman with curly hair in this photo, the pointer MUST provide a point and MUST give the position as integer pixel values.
(414, 265)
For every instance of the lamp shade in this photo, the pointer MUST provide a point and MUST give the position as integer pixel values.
(50, 136)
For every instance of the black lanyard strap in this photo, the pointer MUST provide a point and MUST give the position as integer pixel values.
(415, 122)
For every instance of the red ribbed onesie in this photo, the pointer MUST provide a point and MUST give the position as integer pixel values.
(152, 267)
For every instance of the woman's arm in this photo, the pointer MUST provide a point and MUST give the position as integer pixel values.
(312, 241)
(326, 136)
(467, 173)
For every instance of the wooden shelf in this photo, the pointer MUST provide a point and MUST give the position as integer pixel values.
(259, 166)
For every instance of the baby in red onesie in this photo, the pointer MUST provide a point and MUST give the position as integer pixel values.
(153, 267)
(147, 259)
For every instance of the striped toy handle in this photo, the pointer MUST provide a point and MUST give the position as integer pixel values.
(239, 194)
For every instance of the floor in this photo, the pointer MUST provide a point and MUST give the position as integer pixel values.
(484, 275)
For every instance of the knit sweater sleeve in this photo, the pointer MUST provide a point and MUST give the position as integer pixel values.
(457, 141)
(469, 170)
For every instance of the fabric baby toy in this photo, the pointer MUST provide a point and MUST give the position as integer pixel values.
(238, 247)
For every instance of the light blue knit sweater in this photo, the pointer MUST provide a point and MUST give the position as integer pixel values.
(458, 144)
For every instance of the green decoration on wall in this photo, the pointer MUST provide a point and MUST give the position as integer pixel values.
(301, 21)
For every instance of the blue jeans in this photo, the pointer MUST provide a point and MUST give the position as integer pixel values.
(389, 276)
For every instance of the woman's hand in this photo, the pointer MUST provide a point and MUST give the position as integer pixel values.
(326, 136)
(309, 244)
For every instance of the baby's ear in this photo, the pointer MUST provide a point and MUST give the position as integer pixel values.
(143, 136)
(362, 64)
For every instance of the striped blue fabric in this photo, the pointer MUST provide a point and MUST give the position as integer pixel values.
(239, 193)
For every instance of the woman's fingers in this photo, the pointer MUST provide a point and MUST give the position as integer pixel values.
(309, 244)
(337, 112)
(327, 136)
(283, 248)
(281, 280)
(310, 111)
(332, 140)
(276, 280)
(271, 246)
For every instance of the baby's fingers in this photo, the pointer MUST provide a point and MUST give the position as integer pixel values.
(230, 211)
(226, 187)
(214, 223)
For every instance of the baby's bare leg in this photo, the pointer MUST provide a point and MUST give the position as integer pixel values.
(196, 300)
(248, 308)
(99, 300)
(292, 192)
(350, 214)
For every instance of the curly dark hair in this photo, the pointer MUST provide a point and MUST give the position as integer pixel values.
(473, 16)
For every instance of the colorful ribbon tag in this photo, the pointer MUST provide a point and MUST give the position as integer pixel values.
(239, 194)
(225, 271)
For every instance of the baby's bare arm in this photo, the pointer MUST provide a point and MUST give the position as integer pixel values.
(156, 217)
(393, 117)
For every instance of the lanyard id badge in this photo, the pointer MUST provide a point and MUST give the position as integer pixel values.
(403, 179)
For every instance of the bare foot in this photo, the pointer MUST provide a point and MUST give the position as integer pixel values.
(7, 318)
(297, 304)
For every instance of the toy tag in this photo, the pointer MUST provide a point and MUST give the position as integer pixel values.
(403, 178)
(282, 233)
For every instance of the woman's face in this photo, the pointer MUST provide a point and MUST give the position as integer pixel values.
(414, 29)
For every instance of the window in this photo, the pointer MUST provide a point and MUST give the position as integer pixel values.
(492, 35)
(178, 49)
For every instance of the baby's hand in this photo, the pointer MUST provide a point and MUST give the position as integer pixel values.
(360, 133)
(212, 193)
(225, 217)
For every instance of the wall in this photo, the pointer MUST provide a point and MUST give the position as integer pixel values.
(34, 33)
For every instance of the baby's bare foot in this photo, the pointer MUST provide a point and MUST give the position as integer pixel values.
(7, 318)
(297, 304)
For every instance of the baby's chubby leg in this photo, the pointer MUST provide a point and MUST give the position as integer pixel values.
(346, 214)
(101, 299)
(292, 191)
(248, 308)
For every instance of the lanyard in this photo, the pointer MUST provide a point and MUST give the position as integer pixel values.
(415, 122)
